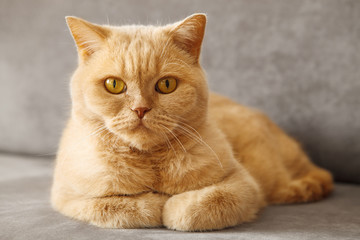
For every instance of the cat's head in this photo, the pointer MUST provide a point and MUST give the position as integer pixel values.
(144, 83)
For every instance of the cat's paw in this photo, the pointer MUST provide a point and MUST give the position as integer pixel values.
(199, 211)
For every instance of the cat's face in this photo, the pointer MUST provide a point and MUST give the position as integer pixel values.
(143, 83)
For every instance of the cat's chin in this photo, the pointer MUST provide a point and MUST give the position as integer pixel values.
(142, 138)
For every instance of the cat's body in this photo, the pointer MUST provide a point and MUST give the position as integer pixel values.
(189, 161)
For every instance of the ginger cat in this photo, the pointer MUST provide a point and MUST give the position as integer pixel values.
(147, 145)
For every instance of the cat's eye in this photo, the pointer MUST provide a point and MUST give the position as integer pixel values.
(115, 86)
(166, 85)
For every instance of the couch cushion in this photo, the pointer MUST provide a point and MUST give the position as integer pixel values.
(296, 60)
(25, 213)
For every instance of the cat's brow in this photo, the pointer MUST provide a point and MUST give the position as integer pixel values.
(138, 59)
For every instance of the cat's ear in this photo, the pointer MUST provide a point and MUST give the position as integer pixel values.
(189, 33)
(88, 37)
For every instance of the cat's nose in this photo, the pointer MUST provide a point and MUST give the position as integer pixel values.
(141, 111)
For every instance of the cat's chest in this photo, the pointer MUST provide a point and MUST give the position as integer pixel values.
(132, 173)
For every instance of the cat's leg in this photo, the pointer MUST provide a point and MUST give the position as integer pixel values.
(236, 199)
(284, 171)
(313, 186)
(306, 182)
(143, 210)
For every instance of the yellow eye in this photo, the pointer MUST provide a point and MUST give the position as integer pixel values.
(166, 85)
(115, 86)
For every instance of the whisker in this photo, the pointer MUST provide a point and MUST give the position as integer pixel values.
(201, 141)
(193, 129)
(98, 130)
(180, 120)
(189, 132)
(177, 139)
(166, 139)
(173, 149)
(198, 138)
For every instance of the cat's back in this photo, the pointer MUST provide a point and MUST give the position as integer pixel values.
(254, 140)
(238, 122)
(219, 105)
(250, 131)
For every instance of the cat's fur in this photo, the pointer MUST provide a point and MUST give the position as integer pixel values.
(196, 161)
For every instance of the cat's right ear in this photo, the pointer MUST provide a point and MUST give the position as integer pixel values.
(88, 37)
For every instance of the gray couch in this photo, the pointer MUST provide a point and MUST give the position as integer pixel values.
(298, 61)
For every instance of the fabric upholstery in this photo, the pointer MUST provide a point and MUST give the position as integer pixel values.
(25, 213)
(298, 61)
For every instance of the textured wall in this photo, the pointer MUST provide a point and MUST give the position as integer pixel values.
(298, 61)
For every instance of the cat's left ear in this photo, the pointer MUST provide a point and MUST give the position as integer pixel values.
(189, 34)
(88, 37)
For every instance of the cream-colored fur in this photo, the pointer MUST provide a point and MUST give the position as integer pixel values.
(196, 161)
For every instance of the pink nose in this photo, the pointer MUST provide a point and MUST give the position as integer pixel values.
(141, 111)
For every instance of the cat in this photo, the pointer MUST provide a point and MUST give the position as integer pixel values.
(147, 144)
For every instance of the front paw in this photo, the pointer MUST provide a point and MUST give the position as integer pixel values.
(199, 211)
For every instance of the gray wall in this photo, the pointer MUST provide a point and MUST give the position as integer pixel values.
(298, 61)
